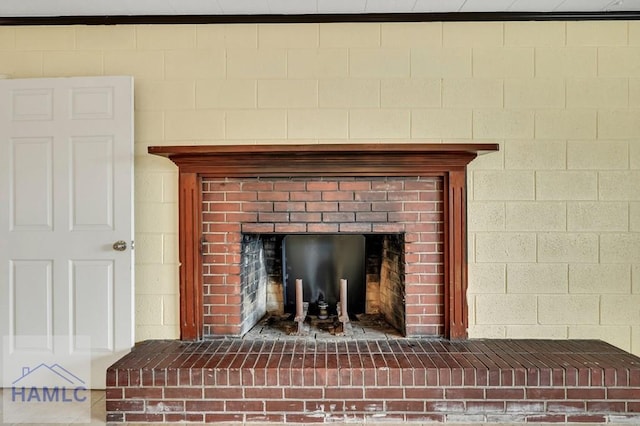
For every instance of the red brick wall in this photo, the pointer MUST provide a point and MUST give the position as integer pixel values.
(411, 205)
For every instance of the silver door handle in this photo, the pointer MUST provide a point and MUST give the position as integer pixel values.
(120, 245)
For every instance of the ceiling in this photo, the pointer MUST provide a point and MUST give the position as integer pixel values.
(31, 8)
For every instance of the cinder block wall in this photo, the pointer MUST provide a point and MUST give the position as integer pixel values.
(554, 217)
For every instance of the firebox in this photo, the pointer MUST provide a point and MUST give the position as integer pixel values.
(413, 193)
(371, 266)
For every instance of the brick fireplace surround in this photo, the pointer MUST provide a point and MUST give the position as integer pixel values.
(433, 374)
(226, 191)
(411, 206)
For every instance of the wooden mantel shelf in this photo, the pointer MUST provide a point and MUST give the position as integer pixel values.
(327, 160)
(446, 160)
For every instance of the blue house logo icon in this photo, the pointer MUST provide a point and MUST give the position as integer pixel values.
(48, 383)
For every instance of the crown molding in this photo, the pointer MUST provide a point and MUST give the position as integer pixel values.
(317, 18)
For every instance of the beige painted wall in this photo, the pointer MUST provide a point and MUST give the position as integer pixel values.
(554, 216)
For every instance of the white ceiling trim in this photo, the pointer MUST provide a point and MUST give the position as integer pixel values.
(22, 8)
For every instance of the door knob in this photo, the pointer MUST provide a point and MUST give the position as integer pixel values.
(120, 245)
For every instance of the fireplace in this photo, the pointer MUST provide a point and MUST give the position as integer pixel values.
(243, 208)
(406, 202)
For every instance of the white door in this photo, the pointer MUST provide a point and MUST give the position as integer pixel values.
(66, 173)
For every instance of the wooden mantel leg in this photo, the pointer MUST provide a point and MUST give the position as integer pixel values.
(456, 310)
(189, 228)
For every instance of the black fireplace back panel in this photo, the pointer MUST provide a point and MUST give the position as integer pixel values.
(321, 261)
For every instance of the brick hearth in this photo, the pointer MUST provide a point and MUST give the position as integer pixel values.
(315, 381)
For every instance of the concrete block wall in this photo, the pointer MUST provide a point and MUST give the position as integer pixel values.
(554, 244)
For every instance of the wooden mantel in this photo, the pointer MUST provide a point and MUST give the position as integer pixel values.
(446, 160)
(322, 160)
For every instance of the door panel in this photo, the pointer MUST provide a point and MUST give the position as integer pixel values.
(31, 184)
(66, 173)
(93, 103)
(93, 320)
(32, 290)
(92, 182)
(31, 104)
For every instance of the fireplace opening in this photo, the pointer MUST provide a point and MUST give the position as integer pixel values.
(371, 264)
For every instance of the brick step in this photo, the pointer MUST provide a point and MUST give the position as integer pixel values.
(409, 380)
